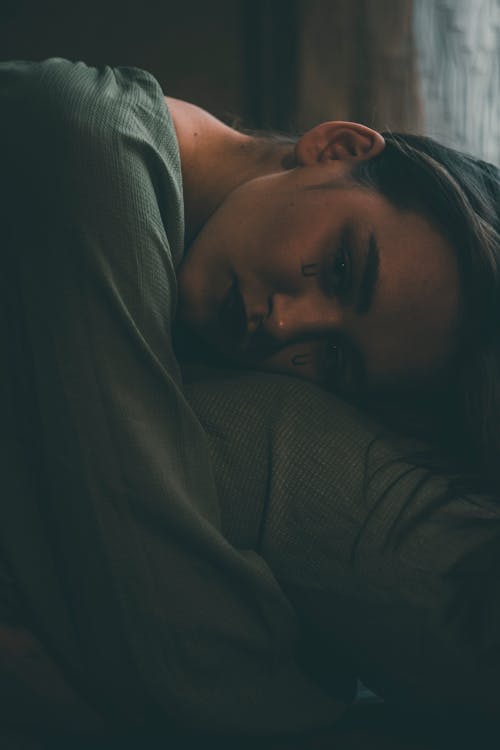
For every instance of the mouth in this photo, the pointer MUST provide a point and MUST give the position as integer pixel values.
(233, 315)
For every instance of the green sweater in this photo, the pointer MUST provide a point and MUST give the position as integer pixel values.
(109, 519)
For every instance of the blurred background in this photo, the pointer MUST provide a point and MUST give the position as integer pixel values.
(429, 66)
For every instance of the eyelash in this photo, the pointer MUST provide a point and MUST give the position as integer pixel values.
(338, 264)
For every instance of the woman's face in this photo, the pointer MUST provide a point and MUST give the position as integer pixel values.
(331, 284)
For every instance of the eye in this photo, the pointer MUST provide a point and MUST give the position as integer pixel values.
(337, 272)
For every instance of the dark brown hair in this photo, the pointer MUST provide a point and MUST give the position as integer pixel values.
(460, 195)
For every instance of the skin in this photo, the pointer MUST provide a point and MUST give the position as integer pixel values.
(298, 251)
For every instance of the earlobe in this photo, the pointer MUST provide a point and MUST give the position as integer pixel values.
(340, 141)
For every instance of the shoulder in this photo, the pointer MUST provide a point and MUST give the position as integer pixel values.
(60, 83)
(102, 136)
(93, 100)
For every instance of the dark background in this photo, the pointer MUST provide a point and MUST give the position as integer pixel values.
(429, 66)
(282, 64)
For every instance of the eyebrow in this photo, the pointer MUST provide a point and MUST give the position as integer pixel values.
(369, 278)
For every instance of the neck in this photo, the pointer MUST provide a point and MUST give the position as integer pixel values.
(215, 160)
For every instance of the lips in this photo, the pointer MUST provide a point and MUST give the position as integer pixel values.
(232, 314)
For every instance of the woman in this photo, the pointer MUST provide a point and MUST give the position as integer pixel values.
(107, 470)
(365, 262)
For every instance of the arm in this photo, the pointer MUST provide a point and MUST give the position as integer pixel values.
(394, 575)
(112, 525)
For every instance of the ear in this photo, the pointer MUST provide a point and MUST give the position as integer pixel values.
(338, 140)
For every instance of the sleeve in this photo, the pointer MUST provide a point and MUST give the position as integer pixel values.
(110, 518)
(392, 570)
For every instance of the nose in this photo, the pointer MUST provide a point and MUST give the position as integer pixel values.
(293, 317)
